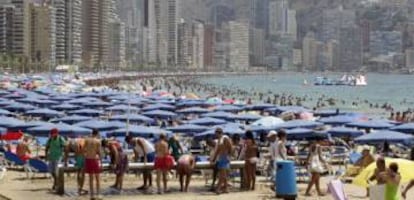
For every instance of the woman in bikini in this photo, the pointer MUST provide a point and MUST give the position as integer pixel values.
(250, 158)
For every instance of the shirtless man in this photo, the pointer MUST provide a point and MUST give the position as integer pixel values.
(185, 168)
(92, 152)
(163, 162)
(76, 146)
(22, 150)
(119, 161)
(222, 158)
(143, 148)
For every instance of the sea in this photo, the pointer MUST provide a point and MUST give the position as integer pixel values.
(394, 89)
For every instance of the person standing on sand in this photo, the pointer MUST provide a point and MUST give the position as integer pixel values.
(222, 158)
(92, 152)
(185, 166)
(212, 147)
(54, 153)
(175, 147)
(250, 151)
(145, 149)
(119, 161)
(315, 163)
(163, 162)
(392, 182)
(76, 146)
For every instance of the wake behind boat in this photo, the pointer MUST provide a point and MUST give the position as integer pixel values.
(348, 80)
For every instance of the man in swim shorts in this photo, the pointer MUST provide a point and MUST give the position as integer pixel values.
(143, 148)
(93, 162)
(222, 158)
(185, 166)
(76, 146)
(163, 162)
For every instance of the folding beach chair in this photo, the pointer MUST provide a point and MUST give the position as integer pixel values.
(14, 160)
(38, 166)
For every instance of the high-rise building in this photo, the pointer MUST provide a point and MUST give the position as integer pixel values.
(73, 31)
(43, 35)
(209, 42)
(332, 55)
(116, 45)
(257, 48)
(310, 52)
(185, 44)
(385, 42)
(350, 49)
(198, 45)
(278, 16)
(409, 59)
(239, 48)
(6, 28)
(21, 29)
(96, 16)
(291, 24)
(60, 20)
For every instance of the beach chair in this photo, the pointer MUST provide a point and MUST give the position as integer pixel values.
(14, 160)
(336, 189)
(302, 174)
(339, 155)
(38, 166)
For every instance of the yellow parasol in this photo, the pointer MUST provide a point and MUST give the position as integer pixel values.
(191, 96)
(405, 168)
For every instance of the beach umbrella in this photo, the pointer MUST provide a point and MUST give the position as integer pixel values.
(191, 96)
(96, 104)
(207, 121)
(136, 101)
(299, 124)
(4, 112)
(262, 106)
(81, 101)
(24, 126)
(404, 128)
(122, 108)
(14, 96)
(19, 107)
(228, 129)
(66, 107)
(9, 136)
(268, 121)
(160, 114)
(87, 112)
(27, 100)
(193, 110)
(45, 102)
(5, 102)
(190, 103)
(159, 107)
(7, 122)
(345, 132)
(303, 134)
(72, 119)
(140, 131)
(405, 169)
(370, 124)
(64, 129)
(327, 113)
(188, 128)
(3, 92)
(228, 108)
(97, 124)
(246, 117)
(385, 136)
(293, 109)
(338, 120)
(213, 101)
(61, 98)
(219, 115)
(48, 113)
(133, 118)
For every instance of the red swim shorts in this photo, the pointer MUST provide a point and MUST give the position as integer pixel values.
(92, 166)
(164, 163)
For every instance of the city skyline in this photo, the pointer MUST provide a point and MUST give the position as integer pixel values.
(207, 35)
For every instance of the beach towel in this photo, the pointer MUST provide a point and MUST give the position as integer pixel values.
(336, 188)
(377, 192)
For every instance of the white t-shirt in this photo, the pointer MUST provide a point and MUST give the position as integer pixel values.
(273, 150)
(148, 146)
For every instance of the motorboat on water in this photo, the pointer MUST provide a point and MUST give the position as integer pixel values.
(347, 80)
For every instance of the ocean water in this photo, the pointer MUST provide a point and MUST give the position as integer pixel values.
(397, 90)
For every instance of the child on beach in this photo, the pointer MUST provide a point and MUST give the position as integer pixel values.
(185, 168)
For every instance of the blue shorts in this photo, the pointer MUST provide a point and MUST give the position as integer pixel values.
(223, 162)
(150, 157)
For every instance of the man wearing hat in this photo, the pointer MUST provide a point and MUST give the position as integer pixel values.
(54, 152)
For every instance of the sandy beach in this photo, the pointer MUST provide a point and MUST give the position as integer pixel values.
(15, 186)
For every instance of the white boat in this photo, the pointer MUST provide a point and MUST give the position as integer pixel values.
(360, 80)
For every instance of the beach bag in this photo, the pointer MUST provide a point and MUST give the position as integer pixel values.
(377, 192)
(336, 188)
(316, 165)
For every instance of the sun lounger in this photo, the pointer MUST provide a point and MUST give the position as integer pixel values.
(38, 166)
(14, 160)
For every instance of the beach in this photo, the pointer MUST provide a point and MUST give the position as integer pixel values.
(16, 187)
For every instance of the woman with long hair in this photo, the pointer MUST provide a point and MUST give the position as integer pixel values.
(316, 164)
